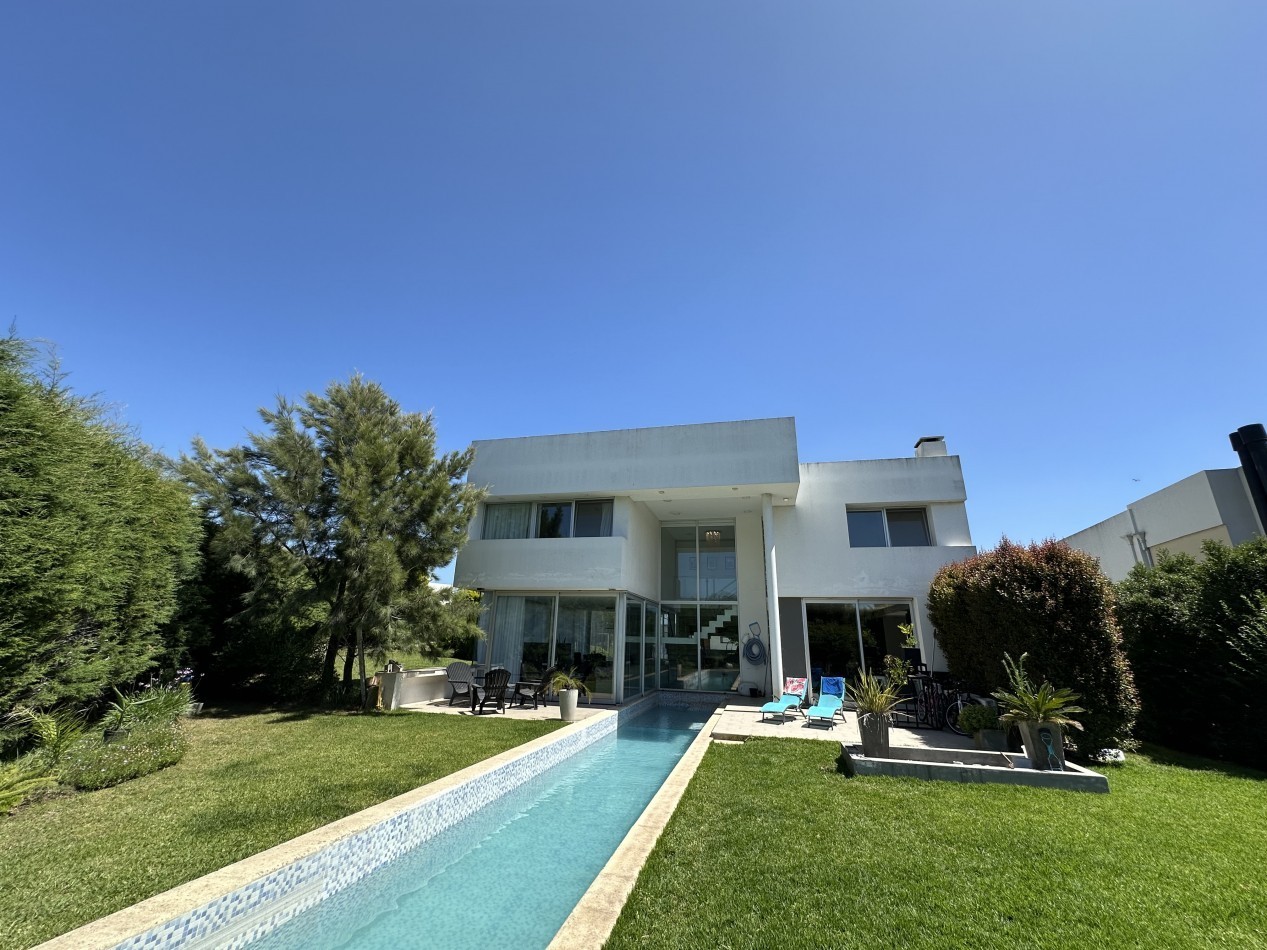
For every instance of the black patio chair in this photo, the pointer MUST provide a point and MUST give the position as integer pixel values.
(526, 690)
(493, 691)
(461, 680)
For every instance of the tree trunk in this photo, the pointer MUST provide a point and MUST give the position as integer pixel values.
(332, 647)
(349, 660)
(327, 668)
(360, 652)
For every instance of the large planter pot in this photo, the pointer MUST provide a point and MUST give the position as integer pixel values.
(1044, 745)
(874, 730)
(567, 704)
(990, 740)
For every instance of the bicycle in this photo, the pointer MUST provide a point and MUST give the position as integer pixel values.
(961, 698)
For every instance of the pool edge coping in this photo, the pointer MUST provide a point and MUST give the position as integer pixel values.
(152, 912)
(595, 914)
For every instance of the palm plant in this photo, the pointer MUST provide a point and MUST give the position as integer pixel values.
(872, 697)
(568, 679)
(1025, 702)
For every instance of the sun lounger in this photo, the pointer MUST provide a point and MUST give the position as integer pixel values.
(793, 695)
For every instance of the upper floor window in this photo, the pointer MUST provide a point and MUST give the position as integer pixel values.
(547, 519)
(888, 528)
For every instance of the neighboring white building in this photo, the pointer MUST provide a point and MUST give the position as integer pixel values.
(648, 558)
(1210, 505)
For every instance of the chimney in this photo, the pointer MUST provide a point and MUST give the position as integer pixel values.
(931, 445)
(1250, 443)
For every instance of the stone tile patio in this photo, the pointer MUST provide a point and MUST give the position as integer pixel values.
(740, 718)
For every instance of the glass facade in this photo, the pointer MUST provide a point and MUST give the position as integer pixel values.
(847, 636)
(699, 619)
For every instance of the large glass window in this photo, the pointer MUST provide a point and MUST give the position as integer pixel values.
(554, 520)
(633, 647)
(504, 521)
(679, 562)
(845, 637)
(888, 527)
(718, 579)
(586, 640)
(650, 627)
(699, 633)
(547, 519)
(593, 519)
(521, 634)
(679, 628)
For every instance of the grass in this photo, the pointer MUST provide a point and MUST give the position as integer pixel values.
(771, 847)
(247, 783)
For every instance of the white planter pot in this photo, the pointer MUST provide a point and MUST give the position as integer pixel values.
(567, 704)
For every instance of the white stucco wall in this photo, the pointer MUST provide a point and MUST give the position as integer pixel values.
(642, 561)
(757, 454)
(750, 560)
(815, 560)
(1106, 541)
(1209, 504)
(543, 564)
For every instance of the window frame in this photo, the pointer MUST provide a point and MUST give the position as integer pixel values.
(534, 518)
(884, 521)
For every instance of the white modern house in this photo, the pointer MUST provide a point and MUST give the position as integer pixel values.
(1212, 505)
(655, 558)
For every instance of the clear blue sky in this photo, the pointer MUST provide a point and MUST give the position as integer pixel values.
(1039, 229)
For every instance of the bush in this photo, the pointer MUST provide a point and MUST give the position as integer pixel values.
(20, 780)
(157, 704)
(974, 718)
(1053, 603)
(91, 763)
(1196, 635)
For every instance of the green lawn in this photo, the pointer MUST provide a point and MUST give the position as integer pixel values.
(770, 847)
(247, 783)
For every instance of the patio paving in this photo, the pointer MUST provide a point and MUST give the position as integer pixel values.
(740, 719)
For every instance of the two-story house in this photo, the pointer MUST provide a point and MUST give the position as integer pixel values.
(705, 557)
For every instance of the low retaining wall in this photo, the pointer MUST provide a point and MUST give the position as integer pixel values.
(965, 765)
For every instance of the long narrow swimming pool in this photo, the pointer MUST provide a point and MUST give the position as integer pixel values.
(512, 872)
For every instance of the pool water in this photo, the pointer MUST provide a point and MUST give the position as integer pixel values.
(512, 873)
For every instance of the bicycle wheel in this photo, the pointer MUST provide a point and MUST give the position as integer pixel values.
(952, 717)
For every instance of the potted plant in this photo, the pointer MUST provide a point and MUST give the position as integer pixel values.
(569, 687)
(910, 645)
(983, 723)
(1040, 712)
(875, 702)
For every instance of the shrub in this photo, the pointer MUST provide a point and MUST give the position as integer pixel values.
(20, 780)
(1051, 602)
(157, 704)
(1196, 635)
(92, 764)
(974, 718)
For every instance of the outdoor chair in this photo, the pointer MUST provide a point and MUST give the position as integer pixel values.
(493, 691)
(793, 695)
(830, 701)
(526, 690)
(461, 680)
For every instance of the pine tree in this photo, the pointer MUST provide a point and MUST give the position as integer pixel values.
(339, 513)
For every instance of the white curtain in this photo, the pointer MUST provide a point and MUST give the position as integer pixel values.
(502, 522)
(508, 634)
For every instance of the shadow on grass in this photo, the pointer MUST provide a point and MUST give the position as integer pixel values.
(1186, 760)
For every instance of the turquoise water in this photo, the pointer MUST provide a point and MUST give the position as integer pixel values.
(512, 873)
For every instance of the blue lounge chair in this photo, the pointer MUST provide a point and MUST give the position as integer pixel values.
(830, 702)
(793, 695)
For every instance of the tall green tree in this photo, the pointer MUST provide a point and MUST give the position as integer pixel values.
(338, 514)
(94, 541)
